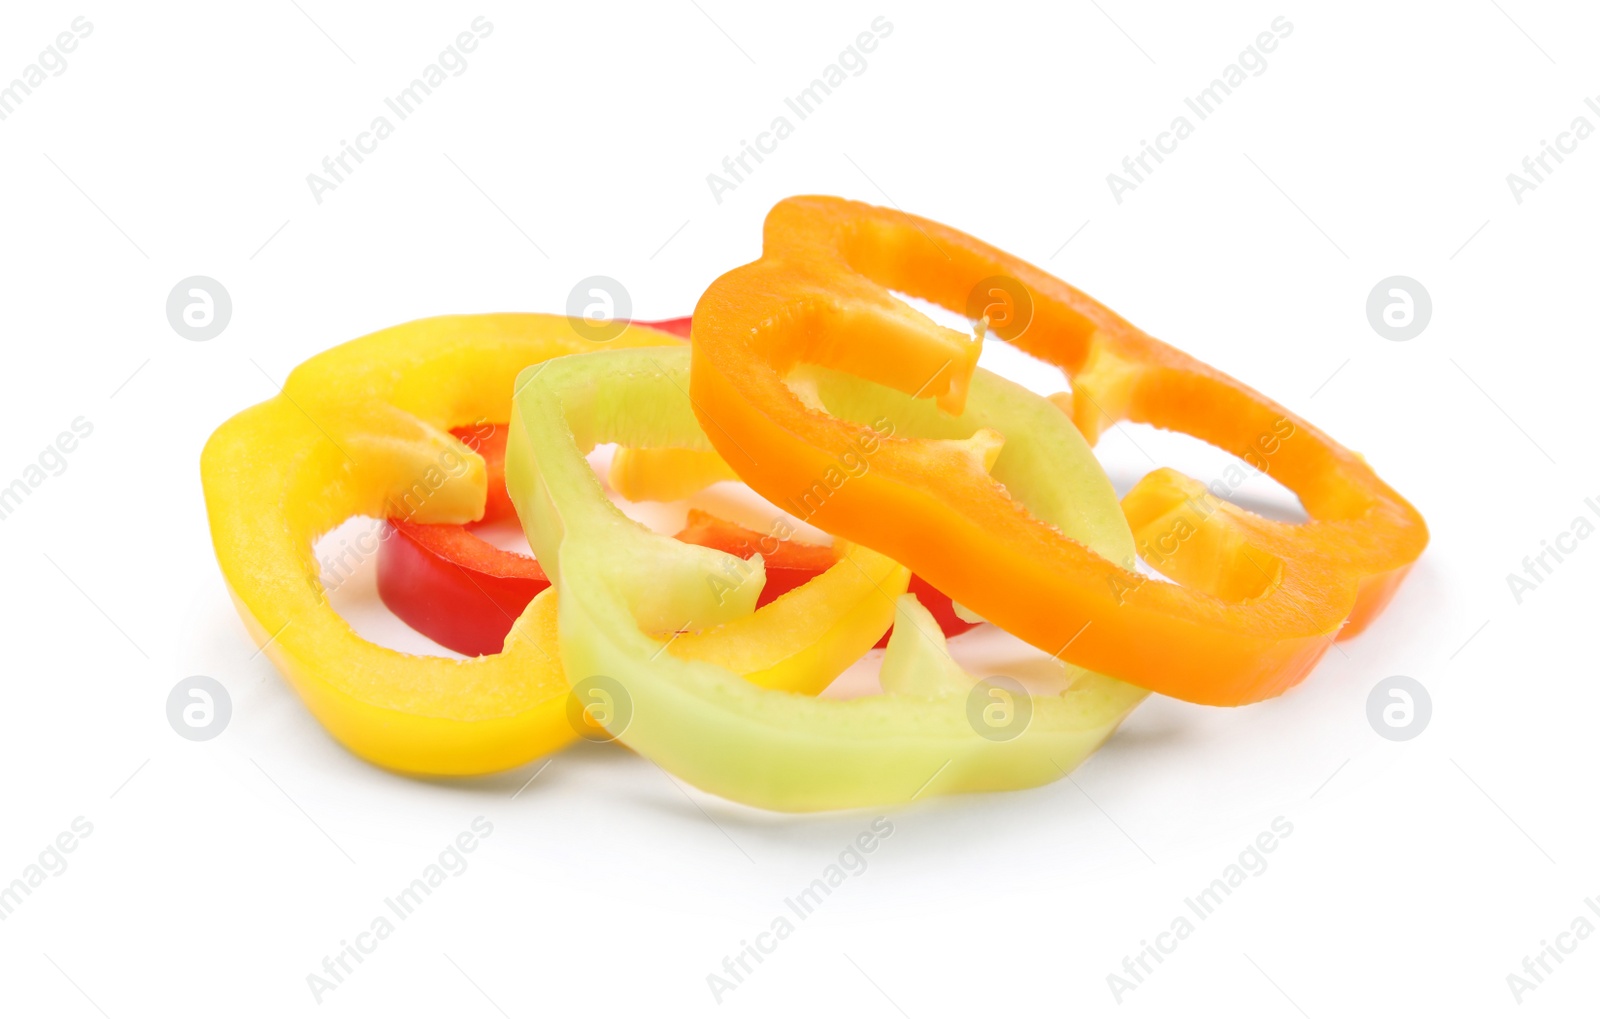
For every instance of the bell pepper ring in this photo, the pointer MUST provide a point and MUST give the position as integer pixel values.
(619, 586)
(362, 430)
(1257, 602)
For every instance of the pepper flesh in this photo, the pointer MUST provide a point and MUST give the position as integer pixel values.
(439, 580)
(618, 584)
(361, 430)
(1264, 599)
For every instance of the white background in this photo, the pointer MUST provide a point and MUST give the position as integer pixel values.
(1377, 142)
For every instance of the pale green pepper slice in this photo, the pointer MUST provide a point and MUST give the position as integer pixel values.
(620, 586)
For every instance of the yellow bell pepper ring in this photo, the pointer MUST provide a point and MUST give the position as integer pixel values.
(364, 430)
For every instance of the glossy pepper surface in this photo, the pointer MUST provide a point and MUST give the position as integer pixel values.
(363, 429)
(620, 587)
(1257, 602)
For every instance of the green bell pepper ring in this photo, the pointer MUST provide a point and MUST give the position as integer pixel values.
(934, 729)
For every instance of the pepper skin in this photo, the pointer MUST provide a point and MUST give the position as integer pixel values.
(363, 430)
(1257, 602)
(619, 585)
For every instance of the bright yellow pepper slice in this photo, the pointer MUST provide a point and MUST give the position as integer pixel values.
(363, 430)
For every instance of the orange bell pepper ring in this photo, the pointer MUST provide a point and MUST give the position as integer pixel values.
(1257, 602)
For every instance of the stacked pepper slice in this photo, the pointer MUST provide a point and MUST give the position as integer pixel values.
(1257, 602)
(811, 382)
(620, 586)
(363, 430)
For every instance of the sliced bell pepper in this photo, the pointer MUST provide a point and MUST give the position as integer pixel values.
(449, 584)
(361, 430)
(619, 585)
(453, 587)
(1258, 602)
